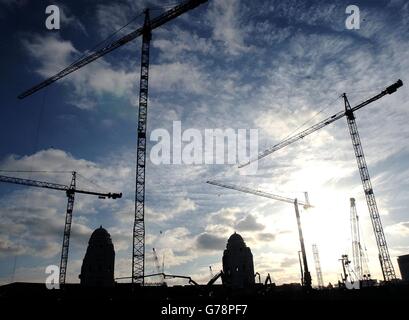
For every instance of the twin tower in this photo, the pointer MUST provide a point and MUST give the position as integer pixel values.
(99, 262)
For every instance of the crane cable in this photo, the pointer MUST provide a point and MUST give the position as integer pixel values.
(99, 44)
(91, 182)
(298, 128)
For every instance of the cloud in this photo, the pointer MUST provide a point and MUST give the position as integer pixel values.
(175, 76)
(176, 245)
(398, 229)
(180, 206)
(34, 229)
(225, 216)
(10, 248)
(68, 19)
(33, 218)
(113, 16)
(52, 54)
(208, 241)
(224, 18)
(288, 262)
(249, 223)
(271, 65)
(175, 43)
(266, 236)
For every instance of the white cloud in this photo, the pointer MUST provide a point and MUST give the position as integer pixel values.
(249, 223)
(33, 218)
(68, 19)
(175, 42)
(171, 77)
(294, 72)
(113, 16)
(400, 229)
(53, 54)
(224, 18)
(208, 241)
(180, 206)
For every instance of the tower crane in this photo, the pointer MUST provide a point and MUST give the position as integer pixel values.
(157, 266)
(301, 268)
(211, 272)
(318, 270)
(70, 191)
(358, 255)
(306, 279)
(384, 257)
(346, 275)
(138, 252)
(215, 277)
(156, 261)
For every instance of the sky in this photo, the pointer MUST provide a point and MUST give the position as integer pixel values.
(274, 66)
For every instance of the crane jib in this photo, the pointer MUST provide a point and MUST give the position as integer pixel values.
(259, 193)
(389, 90)
(156, 22)
(56, 186)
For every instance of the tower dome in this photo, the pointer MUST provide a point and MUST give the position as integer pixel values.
(100, 235)
(235, 241)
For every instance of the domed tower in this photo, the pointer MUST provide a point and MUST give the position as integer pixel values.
(98, 265)
(238, 266)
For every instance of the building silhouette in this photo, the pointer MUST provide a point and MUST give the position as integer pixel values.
(238, 266)
(99, 262)
(403, 262)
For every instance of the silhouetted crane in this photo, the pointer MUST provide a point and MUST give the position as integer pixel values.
(306, 279)
(384, 257)
(359, 258)
(318, 270)
(138, 252)
(70, 191)
(157, 266)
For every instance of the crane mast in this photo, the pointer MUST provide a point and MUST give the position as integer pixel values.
(138, 256)
(356, 240)
(307, 276)
(384, 257)
(70, 191)
(158, 270)
(318, 270)
(358, 254)
(67, 228)
(301, 267)
(211, 272)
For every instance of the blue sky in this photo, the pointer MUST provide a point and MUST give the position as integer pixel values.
(266, 65)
